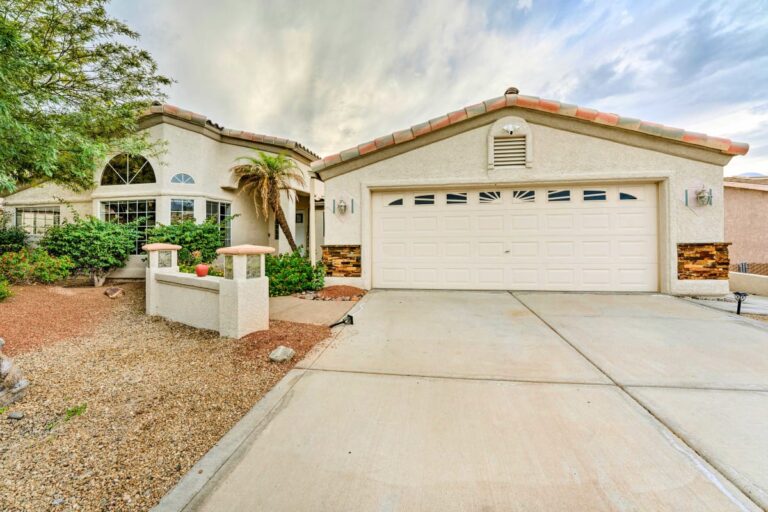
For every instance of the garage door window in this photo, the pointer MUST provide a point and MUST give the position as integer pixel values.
(456, 198)
(594, 195)
(425, 199)
(624, 196)
(559, 195)
(396, 202)
(523, 196)
(490, 197)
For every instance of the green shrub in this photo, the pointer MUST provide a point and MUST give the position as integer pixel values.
(34, 266)
(200, 239)
(12, 238)
(96, 247)
(5, 290)
(292, 272)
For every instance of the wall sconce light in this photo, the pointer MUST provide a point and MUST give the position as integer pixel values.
(342, 207)
(702, 196)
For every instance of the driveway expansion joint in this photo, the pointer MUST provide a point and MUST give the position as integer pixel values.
(667, 429)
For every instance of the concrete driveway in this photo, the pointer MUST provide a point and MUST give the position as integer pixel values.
(465, 401)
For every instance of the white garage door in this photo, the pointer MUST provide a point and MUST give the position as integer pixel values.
(601, 237)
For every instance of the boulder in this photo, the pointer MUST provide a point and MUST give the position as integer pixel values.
(282, 353)
(13, 385)
(113, 292)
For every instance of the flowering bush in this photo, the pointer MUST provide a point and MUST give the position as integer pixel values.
(34, 266)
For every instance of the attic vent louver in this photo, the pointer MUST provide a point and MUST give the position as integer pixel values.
(509, 151)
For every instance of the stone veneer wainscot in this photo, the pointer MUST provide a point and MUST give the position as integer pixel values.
(703, 261)
(342, 260)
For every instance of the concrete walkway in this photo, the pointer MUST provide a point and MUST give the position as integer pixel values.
(319, 312)
(458, 401)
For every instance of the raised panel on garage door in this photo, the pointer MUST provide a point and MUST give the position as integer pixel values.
(595, 237)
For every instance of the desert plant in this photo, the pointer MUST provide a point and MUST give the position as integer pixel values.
(293, 272)
(12, 238)
(198, 241)
(96, 247)
(34, 266)
(262, 179)
(5, 291)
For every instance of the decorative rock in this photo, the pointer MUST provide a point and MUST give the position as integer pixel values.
(114, 292)
(2, 342)
(13, 385)
(281, 354)
(16, 415)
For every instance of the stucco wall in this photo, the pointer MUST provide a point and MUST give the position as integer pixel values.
(559, 156)
(746, 218)
(207, 160)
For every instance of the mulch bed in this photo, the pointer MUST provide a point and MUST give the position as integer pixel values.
(337, 292)
(37, 315)
(115, 417)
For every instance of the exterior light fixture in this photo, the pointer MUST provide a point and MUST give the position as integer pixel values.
(510, 128)
(342, 207)
(704, 197)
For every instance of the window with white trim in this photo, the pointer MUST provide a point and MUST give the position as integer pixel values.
(184, 178)
(124, 212)
(221, 212)
(182, 210)
(37, 220)
(125, 169)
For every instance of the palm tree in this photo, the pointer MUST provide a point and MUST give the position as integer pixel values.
(263, 178)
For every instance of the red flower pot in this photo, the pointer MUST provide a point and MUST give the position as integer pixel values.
(201, 270)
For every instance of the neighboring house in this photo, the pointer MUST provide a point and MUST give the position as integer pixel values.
(746, 218)
(191, 179)
(521, 193)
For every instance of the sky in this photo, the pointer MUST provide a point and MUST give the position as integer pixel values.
(335, 73)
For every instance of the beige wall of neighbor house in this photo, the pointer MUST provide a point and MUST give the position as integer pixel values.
(565, 152)
(746, 219)
(748, 283)
(198, 150)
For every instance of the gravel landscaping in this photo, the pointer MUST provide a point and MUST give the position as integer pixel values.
(118, 413)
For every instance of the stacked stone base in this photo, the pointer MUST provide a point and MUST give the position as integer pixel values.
(342, 261)
(703, 261)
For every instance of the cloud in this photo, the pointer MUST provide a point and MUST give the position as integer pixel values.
(336, 73)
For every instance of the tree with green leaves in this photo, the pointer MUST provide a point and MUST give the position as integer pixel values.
(71, 91)
(262, 178)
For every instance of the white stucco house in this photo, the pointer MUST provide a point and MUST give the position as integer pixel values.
(189, 180)
(522, 193)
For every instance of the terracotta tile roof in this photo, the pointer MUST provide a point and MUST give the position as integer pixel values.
(201, 120)
(725, 146)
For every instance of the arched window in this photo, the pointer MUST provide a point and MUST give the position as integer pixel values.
(183, 177)
(125, 169)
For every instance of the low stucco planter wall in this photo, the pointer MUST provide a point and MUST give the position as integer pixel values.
(749, 283)
(234, 305)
